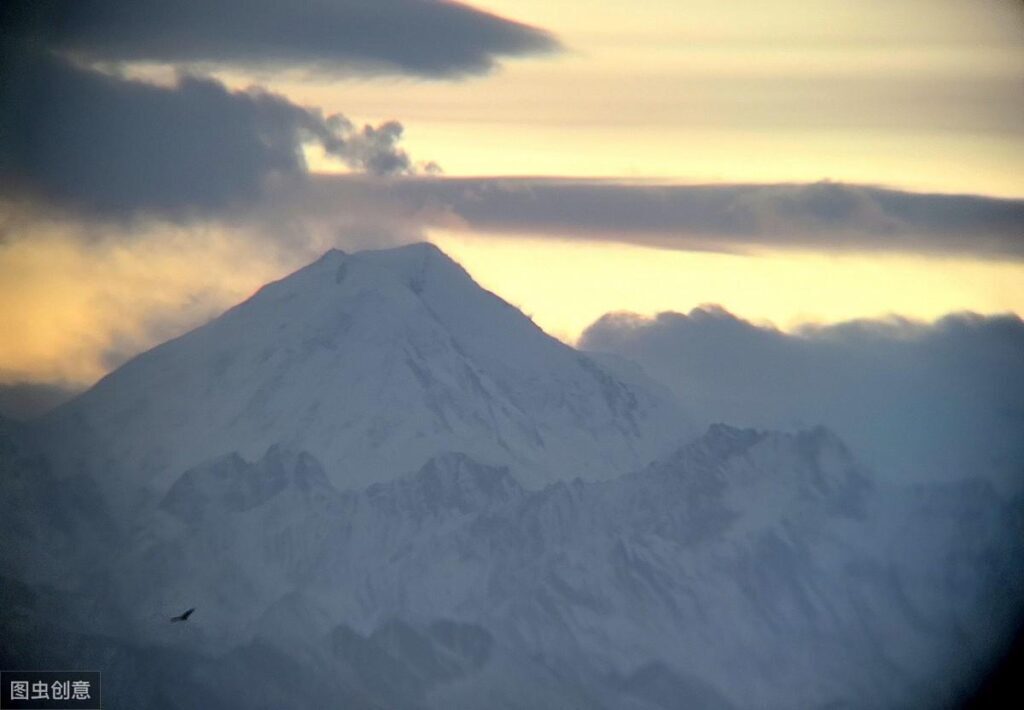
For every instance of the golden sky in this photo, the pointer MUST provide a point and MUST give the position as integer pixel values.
(923, 95)
(565, 287)
(919, 94)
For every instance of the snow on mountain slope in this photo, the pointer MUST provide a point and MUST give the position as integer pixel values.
(381, 485)
(747, 568)
(372, 362)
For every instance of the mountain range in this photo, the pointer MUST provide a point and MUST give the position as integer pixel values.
(382, 486)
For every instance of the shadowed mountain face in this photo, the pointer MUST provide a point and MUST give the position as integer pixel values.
(382, 487)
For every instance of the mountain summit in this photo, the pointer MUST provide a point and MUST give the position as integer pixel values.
(373, 362)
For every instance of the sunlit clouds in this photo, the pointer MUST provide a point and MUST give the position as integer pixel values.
(918, 95)
(74, 310)
(581, 145)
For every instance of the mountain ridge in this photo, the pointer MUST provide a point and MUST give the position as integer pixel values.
(684, 574)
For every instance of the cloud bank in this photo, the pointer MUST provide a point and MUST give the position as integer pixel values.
(730, 217)
(80, 138)
(430, 38)
(75, 136)
(919, 401)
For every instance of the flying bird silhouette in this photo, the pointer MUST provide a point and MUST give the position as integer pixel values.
(183, 617)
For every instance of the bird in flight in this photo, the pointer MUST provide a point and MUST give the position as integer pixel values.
(183, 617)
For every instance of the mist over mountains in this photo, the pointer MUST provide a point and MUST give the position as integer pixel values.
(917, 401)
(382, 486)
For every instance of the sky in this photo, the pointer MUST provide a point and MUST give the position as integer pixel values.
(795, 163)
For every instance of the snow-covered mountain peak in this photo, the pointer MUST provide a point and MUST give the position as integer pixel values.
(392, 275)
(411, 264)
(373, 362)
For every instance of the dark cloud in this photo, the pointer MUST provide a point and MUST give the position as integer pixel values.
(826, 215)
(420, 37)
(24, 400)
(917, 400)
(82, 138)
